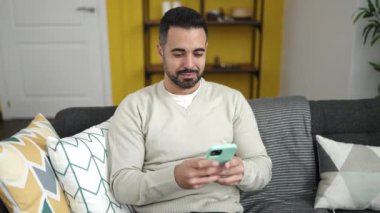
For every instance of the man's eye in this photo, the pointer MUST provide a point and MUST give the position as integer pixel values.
(198, 54)
(177, 55)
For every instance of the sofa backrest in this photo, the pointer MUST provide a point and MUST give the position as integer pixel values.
(284, 125)
(350, 121)
(353, 121)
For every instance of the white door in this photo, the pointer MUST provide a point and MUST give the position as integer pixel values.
(53, 55)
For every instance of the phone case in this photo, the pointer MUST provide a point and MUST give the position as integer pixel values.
(221, 153)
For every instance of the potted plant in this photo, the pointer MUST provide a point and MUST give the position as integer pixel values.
(371, 32)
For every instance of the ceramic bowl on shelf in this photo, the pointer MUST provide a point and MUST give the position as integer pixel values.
(241, 13)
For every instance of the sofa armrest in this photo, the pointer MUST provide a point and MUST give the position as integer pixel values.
(72, 120)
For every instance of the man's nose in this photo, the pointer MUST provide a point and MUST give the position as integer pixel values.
(189, 62)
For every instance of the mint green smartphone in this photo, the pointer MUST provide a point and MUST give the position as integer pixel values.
(221, 153)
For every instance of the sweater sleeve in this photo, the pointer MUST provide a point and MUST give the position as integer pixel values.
(257, 163)
(129, 183)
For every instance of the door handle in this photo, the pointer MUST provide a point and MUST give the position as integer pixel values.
(86, 9)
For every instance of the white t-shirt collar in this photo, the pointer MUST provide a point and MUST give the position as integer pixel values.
(185, 100)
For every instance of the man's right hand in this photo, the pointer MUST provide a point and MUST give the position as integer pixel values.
(195, 173)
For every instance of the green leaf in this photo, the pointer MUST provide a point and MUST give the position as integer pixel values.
(374, 37)
(368, 14)
(374, 21)
(366, 31)
(375, 66)
(371, 6)
(372, 13)
(377, 5)
(358, 16)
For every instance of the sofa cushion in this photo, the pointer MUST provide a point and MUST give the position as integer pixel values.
(298, 205)
(80, 162)
(284, 125)
(350, 176)
(353, 211)
(27, 180)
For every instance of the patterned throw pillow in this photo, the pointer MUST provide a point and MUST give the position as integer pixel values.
(80, 162)
(27, 180)
(350, 176)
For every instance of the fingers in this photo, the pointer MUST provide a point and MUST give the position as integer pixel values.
(195, 183)
(236, 161)
(230, 177)
(195, 173)
(232, 172)
(230, 180)
(236, 170)
(202, 163)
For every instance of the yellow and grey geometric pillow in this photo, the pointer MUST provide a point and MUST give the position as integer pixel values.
(27, 180)
(80, 162)
(350, 176)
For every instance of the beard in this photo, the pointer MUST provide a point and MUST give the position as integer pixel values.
(186, 83)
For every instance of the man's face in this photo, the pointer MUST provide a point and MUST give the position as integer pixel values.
(184, 58)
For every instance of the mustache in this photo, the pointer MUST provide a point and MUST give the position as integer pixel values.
(188, 71)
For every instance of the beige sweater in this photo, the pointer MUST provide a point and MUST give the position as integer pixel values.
(150, 134)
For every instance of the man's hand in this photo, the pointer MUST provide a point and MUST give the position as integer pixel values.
(232, 172)
(195, 173)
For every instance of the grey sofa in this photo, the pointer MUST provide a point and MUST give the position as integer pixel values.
(354, 121)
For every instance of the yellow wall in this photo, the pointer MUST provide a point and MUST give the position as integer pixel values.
(272, 48)
(126, 45)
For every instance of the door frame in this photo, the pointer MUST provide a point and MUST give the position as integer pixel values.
(105, 63)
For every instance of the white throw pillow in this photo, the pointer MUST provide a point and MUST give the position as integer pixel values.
(350, 176)
(80, 162)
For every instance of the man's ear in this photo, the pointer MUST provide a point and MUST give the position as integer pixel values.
(160, 50)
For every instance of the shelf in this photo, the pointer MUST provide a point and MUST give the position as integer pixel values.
(152, 23)
(236, 68)
(250, 70)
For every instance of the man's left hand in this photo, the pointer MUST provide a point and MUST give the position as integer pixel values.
(232, 172)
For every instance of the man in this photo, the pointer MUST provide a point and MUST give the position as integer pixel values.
(159, 135)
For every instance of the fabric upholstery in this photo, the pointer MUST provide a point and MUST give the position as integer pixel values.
(2, 207)
(290, 206)
(350, 121)
(353, 211)
(84, 118)
(284, 125)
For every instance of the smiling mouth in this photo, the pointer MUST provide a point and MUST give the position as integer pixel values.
(187, 73)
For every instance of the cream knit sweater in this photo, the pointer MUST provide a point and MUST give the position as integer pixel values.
(150, 134)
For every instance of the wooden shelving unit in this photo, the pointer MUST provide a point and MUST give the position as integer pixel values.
(252, 68)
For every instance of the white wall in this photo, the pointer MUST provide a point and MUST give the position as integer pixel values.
(323, 53)
(363, 79)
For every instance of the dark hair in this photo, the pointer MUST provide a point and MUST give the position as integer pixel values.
(183, 17)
